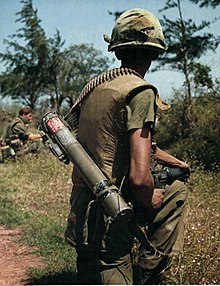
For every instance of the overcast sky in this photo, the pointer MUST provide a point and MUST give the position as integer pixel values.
(85, 21)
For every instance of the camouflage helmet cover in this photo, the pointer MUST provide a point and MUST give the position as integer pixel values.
(136, 27)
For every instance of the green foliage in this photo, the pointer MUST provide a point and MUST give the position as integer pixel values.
(201, 75)
(74, 67)
(186, 44)
(206, 130)
(174, 124)
(38, 71)
(23, 77)
(192, 131)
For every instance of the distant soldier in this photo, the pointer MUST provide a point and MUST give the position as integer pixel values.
(17, 133)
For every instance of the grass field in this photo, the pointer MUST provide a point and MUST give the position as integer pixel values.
(34, 193)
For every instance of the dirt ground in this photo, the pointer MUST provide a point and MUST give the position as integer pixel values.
(15, 259)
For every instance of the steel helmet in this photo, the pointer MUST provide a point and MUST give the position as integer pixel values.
(136, 27)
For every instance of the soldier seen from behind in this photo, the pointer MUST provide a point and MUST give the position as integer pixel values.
(116, 127)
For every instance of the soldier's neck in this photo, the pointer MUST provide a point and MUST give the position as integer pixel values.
(141, 69)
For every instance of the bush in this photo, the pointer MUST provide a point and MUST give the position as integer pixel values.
(191, 130)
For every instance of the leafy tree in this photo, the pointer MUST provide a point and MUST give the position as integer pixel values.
(186, 44)
(37, 67)
(174, 125)
(72, 69)
(23, 78)
(52, 69)
(204, 139)
(193, 133)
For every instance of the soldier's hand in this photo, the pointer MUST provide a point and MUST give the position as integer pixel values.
(157, 198)
(183, 165)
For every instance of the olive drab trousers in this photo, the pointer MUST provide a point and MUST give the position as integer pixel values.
(165, 229)
(104, 251)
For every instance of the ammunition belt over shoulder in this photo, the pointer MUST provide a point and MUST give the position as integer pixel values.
(93, 83)
(96, 81)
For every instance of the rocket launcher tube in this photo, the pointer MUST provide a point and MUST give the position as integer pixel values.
(57, 131)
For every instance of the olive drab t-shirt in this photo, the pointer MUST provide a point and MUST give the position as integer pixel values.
(141, 110)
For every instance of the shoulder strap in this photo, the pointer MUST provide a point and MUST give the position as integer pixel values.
(96, 81)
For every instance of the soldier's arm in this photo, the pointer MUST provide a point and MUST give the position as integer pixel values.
(164, 157)
(22, 131)
(34, 137)
(140, 176)
(141, 110)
